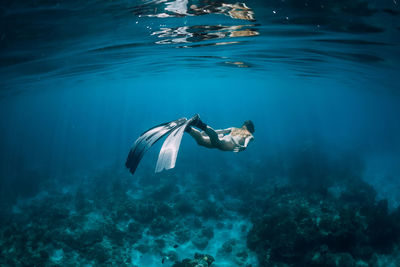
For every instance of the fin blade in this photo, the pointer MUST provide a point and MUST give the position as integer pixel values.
(169, 150)
(146, 140)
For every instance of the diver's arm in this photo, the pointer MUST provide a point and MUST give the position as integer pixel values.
(247, 140)
(239, 147)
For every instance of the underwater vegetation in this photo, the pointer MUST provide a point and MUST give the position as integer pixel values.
(310, 230)
(182, 218)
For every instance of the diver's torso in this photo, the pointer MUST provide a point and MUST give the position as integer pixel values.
(236, 138)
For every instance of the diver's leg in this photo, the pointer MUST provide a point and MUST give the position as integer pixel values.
(202, 140)
(214, 140)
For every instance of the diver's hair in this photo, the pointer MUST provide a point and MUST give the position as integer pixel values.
(249, 125)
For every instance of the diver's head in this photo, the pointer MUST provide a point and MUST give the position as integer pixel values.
(249, 126)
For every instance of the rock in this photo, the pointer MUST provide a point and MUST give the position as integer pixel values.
(361, 263)
(172, 256)
(159, 243)
(210, 210)
(208, 232)
(134, 231)
(184, 263)
(200, 242)
(143, 248)
(161, 225)
(99, 254)
(345, 260)
(241, 257)
(204, 257)
(183, 235)
(117, 236)
(200, 260)
(90, 237)
(184, 206)
(227, 247)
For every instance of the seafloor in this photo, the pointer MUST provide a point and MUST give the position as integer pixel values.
(311, 210)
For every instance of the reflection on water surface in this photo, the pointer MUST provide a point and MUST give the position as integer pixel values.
(198, 33)
(191, 34)
(43, 39)
(182, 8)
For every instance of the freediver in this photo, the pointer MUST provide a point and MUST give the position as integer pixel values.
(230, 139)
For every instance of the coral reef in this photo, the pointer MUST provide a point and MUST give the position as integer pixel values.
(308, 210)
(200, 260)
(102, 222)
(311, 230)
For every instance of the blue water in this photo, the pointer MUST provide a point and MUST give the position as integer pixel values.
(80, 81)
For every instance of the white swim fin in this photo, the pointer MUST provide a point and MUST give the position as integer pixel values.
(169, 150)
(149, 138)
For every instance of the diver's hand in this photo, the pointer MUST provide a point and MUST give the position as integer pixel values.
(239, 149)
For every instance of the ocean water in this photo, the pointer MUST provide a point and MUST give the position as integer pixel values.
(318, 186)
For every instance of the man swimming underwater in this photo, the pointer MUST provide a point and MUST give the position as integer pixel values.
(230, 139)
